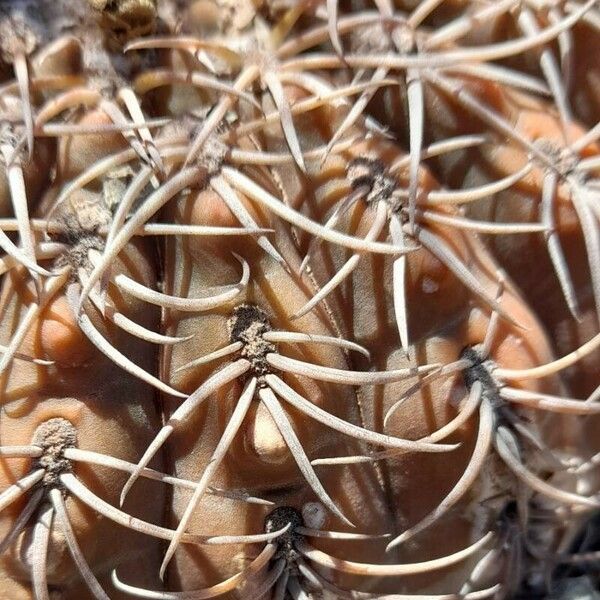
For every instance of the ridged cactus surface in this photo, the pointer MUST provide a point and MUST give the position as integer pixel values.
(299, 299)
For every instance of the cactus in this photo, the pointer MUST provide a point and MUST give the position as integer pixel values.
(299, 299)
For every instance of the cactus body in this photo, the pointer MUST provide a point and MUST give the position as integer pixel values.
(299, 299)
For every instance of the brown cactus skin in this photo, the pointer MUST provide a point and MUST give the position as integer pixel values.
(258, 460)
(311, 194)
(538, 122)
(109, 410)
(585, 91)
(60, 59)
(440, 338)
(520, 255)
(523, 255)
(112, 412)
(105, 545)
(458, 286)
